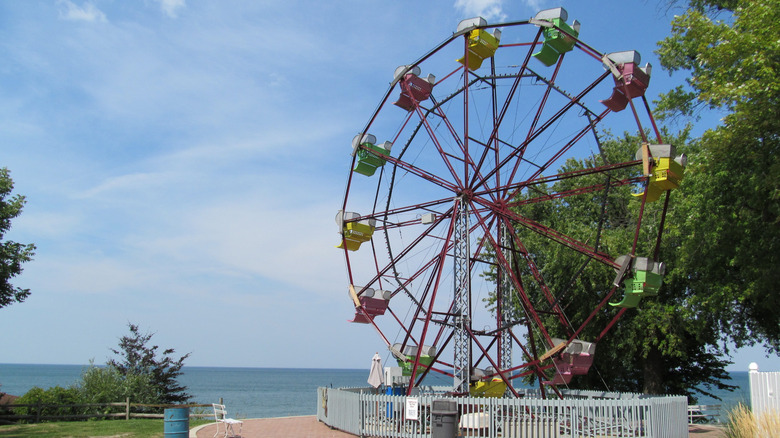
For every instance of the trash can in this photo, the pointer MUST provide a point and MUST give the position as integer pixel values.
(393, 390)
(444, 419)
(177, 423)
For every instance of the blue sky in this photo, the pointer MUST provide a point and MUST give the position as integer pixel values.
(183, 161)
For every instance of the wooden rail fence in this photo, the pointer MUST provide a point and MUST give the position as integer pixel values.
(7, 413)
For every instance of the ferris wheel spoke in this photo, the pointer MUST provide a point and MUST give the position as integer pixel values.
(528, 306)
(515, 157)
(537, 276)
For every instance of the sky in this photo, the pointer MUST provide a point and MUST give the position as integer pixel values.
(183, 161)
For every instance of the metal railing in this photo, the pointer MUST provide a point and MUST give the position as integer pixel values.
(704, 414)
(363, 412)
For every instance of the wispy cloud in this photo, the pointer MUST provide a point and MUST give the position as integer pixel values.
(86, 12)
(491, 10)
(171, 7)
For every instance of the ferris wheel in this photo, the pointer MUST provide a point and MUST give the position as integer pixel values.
(456, 182)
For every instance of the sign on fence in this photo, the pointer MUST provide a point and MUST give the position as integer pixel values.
(412, 408)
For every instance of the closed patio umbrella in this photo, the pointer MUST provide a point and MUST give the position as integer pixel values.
(376, 378)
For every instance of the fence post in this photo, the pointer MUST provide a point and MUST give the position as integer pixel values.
(127, 408)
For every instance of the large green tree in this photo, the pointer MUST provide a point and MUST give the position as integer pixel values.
(12, 254)
(665, 345)
(731, 238)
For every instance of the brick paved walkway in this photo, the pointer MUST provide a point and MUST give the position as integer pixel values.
(309, 427)
(286, 427)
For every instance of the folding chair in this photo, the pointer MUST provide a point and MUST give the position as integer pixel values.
(220, 416)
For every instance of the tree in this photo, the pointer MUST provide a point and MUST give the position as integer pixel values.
(138, 358)
(664, 346)
(12, 254)
(732, 234)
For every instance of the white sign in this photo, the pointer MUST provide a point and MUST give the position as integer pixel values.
(412, 408)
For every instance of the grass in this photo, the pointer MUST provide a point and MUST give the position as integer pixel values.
(135, 428)
(743, 424)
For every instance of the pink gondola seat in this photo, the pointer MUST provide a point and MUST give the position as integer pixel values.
(631, 80)
(575, 360)
(414, 89)
(373, 303)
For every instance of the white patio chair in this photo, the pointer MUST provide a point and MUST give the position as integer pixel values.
(220, 416)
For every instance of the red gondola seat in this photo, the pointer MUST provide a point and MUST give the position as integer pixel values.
(414, 89)
(631, 80)
(372, 303)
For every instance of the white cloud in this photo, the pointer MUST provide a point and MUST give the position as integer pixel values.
(87, 12)
(171, 7)
(535, 5)
(490, 10)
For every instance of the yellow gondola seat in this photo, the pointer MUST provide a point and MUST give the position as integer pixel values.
(354, 232)
(481, 43)
(667, 171)
(559, 38)
(369, 154)
(486, 383)
(410, 353)
(631, 80)
(414, 89)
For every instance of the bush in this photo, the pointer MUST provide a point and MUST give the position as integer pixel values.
(109, 385)
(56, 395)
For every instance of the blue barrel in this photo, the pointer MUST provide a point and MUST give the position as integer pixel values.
(177, 423)
(393, 390)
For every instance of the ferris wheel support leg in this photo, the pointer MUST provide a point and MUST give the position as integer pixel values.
(505, 305)
(462, 291)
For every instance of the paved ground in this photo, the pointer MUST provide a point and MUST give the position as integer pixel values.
(286, 427)
(702, 431)
(309, 427)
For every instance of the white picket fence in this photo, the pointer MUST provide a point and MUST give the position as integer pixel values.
(363, 412)
(764, 390)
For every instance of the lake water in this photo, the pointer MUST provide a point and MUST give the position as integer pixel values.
(262, 392)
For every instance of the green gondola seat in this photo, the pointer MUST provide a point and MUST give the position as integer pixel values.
(369, 154)
(410, 353)
(559, 38)
(645, 281)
